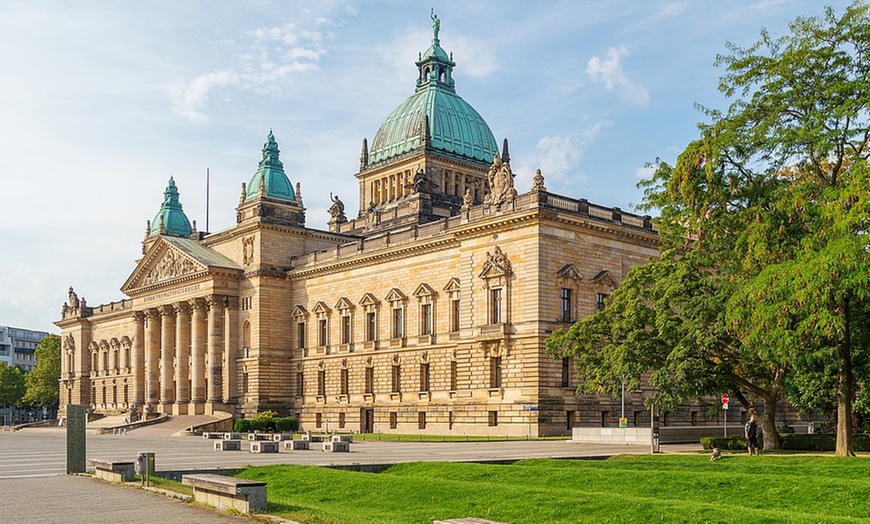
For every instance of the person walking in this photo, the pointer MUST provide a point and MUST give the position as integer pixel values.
(751, 431)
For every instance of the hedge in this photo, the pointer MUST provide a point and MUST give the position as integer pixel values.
(790, 442)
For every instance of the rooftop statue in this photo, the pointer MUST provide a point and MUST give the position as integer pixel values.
(436, 23)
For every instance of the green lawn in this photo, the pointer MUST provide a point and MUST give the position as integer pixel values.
(647, 489)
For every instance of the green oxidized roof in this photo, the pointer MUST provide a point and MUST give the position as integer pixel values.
(272, 171)
(175, 222)
(454, 126)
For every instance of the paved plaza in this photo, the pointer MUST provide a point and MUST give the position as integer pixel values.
(31, 460)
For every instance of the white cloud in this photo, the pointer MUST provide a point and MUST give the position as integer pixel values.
(609, 72)
(273, 54)
(558, 157)
(644, 172)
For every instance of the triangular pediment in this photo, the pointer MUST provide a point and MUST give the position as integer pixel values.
(452, 286)
(569, 271)
(497, 264)
(605, 277)
(424, 290)
(395, 296)
(299, 312)
(320, 308)
(369, 300)
(172, 258)
(344, 304)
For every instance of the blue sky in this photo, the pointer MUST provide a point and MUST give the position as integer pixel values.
(103, 101)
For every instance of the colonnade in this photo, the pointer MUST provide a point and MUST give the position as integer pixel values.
(184, 355)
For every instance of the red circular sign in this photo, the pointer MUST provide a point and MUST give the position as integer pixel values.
(725, 398)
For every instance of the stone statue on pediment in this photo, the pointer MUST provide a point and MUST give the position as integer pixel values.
(501, 183)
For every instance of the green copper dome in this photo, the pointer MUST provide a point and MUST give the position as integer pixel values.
(271, 173)
(454, 126)
(171, 215)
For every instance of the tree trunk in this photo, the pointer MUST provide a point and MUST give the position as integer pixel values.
(768, 420)
(845, 388)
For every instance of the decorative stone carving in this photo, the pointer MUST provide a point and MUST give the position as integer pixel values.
(538, 181)
(69, 343)
(501, 184)
(172, 265)
(496, 263)
(336, 210)
(248, 250)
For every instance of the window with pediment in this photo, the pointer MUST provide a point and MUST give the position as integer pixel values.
(300, 317)
(397, 301)
(321, 313)
(496, 274)
(452, 289)
(426, 299)
(370, 306)
(568, 281)
(603, 285)
(345, 314)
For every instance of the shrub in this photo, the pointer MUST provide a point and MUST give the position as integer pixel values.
(286, 424)
(731, 443)
(242, 425)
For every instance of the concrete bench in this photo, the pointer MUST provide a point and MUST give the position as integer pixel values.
(113, 471)
(246, 496)
(259, 436)
(342, 438)
(264, 446)
(212, 435)
(280, 437)
(228, 445)
(295, 445)
(233, 436)
(313, 438)
(336, 446)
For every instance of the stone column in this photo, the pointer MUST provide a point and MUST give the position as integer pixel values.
(182, 358)
(167, 360)
(152, 356)
(197, 350)
(231, 344)
(137, 362)
(215, 347)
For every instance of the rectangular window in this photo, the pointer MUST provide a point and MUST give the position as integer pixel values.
(601, 301)
(370, 380)
(398, 323)
(566, 305)
(341, 420)
(318, 420)
(453, 367)
(371, 327)
(344, 382)
(345, 329)
(426, 319)
(569, 420)
(397, 379)
(495, 372)
(450, 420)
(605, 415)
(454, 315)
(300, 384)
(493, 418)
(495, 306)
(394, 420)
(321, 383)
(300, 334)
(424, 377)
(421, 420)
(322, 332)
(566, 372)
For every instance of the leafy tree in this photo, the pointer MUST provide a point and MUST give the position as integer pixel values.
(12, 386)
(770, 190)
(43, 381)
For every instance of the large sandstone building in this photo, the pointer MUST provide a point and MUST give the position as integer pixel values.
(427, 312)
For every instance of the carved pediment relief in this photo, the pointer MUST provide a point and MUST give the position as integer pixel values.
(569, 271)
(452, 286)
(163, 263)
(369, 300)
(395, 296)
(424, 290)
(497, 264)
(344, 304)
(299, 312)
(321, 308)
(605, 277)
